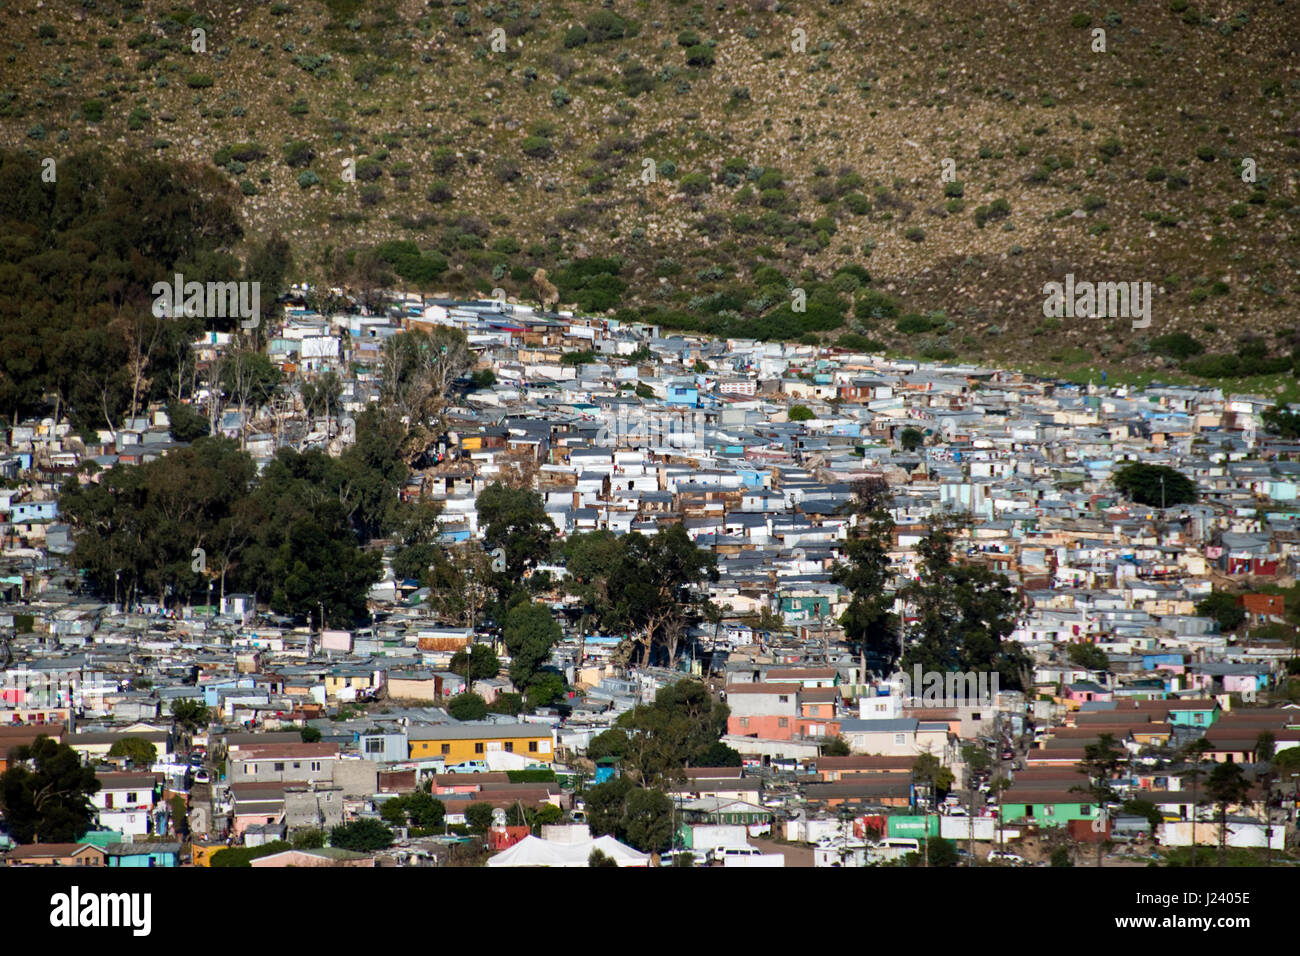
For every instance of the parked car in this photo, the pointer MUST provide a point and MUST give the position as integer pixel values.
(1008, 754)
(468, 766)
(201, 776)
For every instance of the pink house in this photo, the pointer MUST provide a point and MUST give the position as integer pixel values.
(774, 712)
(1085, 691)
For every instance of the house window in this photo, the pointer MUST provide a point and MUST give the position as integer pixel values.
(1049, 811)
(899, 739)
(375, 745)
(785, 699)
(132, 798)
(1086, 809)
(783, 722)
(315, 765)
(532, 746)
(446, 749)
(250, 768)
(744, 721)
(510, 747)
(279, 767)
(1199, 718)
(297, 765)
(478, 748)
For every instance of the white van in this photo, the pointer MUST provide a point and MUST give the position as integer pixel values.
(719, 854)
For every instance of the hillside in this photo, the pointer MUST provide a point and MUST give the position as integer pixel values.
(721, 160)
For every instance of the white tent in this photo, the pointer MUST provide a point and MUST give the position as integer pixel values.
(532, 851)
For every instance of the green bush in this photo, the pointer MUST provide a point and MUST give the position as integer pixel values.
(604, 25)
(700, 55)
(913, 323)
(537, 147)
(298, 153)
(1176, 345)
(694, 184)
(875, 305)
(241, 856)
(198, 81)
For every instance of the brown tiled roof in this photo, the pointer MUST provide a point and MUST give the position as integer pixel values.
(762, 688)
(109, 780)
(36, 851)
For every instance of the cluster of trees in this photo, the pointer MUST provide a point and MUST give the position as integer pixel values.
(78, 337)
(417, 809)
(295, 536)
(655, 742)
(649, 588)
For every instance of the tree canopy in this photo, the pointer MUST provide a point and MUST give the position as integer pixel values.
(963, 615)
(678, 730)
(869, 620)
(1156, 486)
(78, 263)
(294, 535)
(530, 632)
(47, 801)
(361, 836)
(139, 751)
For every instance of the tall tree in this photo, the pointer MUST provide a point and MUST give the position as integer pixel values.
(1266, 774)
(1101, 761)
(1227, 787)
(514, 520)
(529, 633)
(1194, 756)
(964, 614)
(1157, 486)
(869, 621)
(418, 368)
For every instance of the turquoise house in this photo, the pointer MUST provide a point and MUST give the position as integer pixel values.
(141, 855)
(1199, 713)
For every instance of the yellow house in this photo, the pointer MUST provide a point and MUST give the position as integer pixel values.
(471, 741)
(357, 678)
